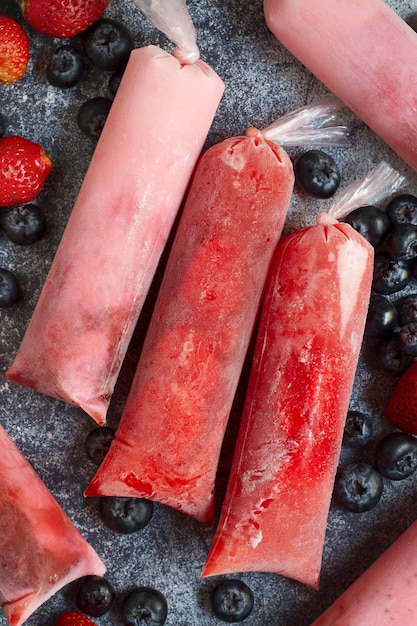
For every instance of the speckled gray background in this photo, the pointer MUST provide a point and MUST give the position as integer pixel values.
(263, 81)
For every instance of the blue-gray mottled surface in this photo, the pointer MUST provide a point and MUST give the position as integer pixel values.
(263, 81)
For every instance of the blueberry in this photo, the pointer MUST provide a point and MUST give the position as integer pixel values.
(382, 316)
(144, 605)
(114, 81)
(407, 339)
(401, 242)
(389, 357)
(125, 515)
(358, 429)
(402, 209)
(9, 288)
(97, 443)
(317, 174)
(390, 275)
(371, 222)
(108, 43)
(66, 67)
(358, 487)
(24, 224)
(95, 596)
(396, 455)
(231, 600)
(407, 309)
(92, 116)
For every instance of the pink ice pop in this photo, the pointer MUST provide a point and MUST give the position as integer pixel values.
(41, 550)
(78, 335)
(364, 53)
(386, 593)
(168, 442)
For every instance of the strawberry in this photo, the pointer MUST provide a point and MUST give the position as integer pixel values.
(401, 408)
(24, 167)
(62, 19)
(14, 50)
(73, 618)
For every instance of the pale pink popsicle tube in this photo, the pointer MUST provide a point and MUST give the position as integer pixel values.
(41, 550)
(275, 511)
(386, 593)
(88, 308)
(364, 53)
(169, 438)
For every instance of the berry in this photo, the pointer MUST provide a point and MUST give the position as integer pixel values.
(108, 44)
(407, 339)
(62, 19)
(231, 600)
(317, 174)
(95, 596)
(401, 407)
(371, 222)
(92, 116)
(382, 316)
(114, 81)
(144, 605)
(402, 209)
(358, 487)
(97, 443)
(125, 515)
(66, 67)
(9, 288)
(389, 357)
(407, 309)
(14, 50)
(358, 429)
(23, 225)
(401, 242)
(390, 275)
(396, 455)
(73, 618)
(24, 167)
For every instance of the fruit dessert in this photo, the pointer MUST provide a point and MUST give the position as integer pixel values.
(168, 441)
(41, 549)
(336, 41)
(384, 594)
(275, 511)
(79, 332)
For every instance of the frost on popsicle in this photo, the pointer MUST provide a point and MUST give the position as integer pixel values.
(307, 348)
(169, 438)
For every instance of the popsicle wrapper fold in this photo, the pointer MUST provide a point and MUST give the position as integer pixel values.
(86, 313)
(41, 550)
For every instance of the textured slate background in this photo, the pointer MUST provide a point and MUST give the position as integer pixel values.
(263, 81)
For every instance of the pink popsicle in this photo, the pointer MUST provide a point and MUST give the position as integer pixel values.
(169, 438)
(85, 316)
(386, 593)
(275, 511)
(364, 53)
(41, 550)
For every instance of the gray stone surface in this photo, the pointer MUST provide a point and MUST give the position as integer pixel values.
(263, 81)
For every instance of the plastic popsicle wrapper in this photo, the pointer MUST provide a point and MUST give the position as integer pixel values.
(41, 549)
(275, 511)
(85, 316)
(168, 441)
(364, 53)
(385, 593)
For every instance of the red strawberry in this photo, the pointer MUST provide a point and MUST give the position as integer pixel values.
(24, 167)
(14, 50)
(62, 19)
(73, 618)
(401, 408)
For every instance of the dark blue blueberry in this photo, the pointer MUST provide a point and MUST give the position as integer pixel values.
(358, 429)
(24, 224)
(407, 339)
(66, 67)
(401, 242)
(114, 81)
(125, 515)
(95, 596)
(144, 605)
(389, 357)
(9, 288)
(231, 600)
(317, 173)
(108, 44)
(407, 309)
(97, 443)
(371, 222)
(382, 316)
(92, 116)
(358, 487)
(402, 209)
(390, 275)
(396, 455)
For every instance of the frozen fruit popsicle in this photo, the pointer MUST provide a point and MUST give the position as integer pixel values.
(274, 515)
(364, 53)
(41, 550)
(78, 335)
(386, 593)
(169, 438)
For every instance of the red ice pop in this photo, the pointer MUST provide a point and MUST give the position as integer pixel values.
(41, 550)
(169, 438)
(275, 511)
(364, 53)
(79, 332)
